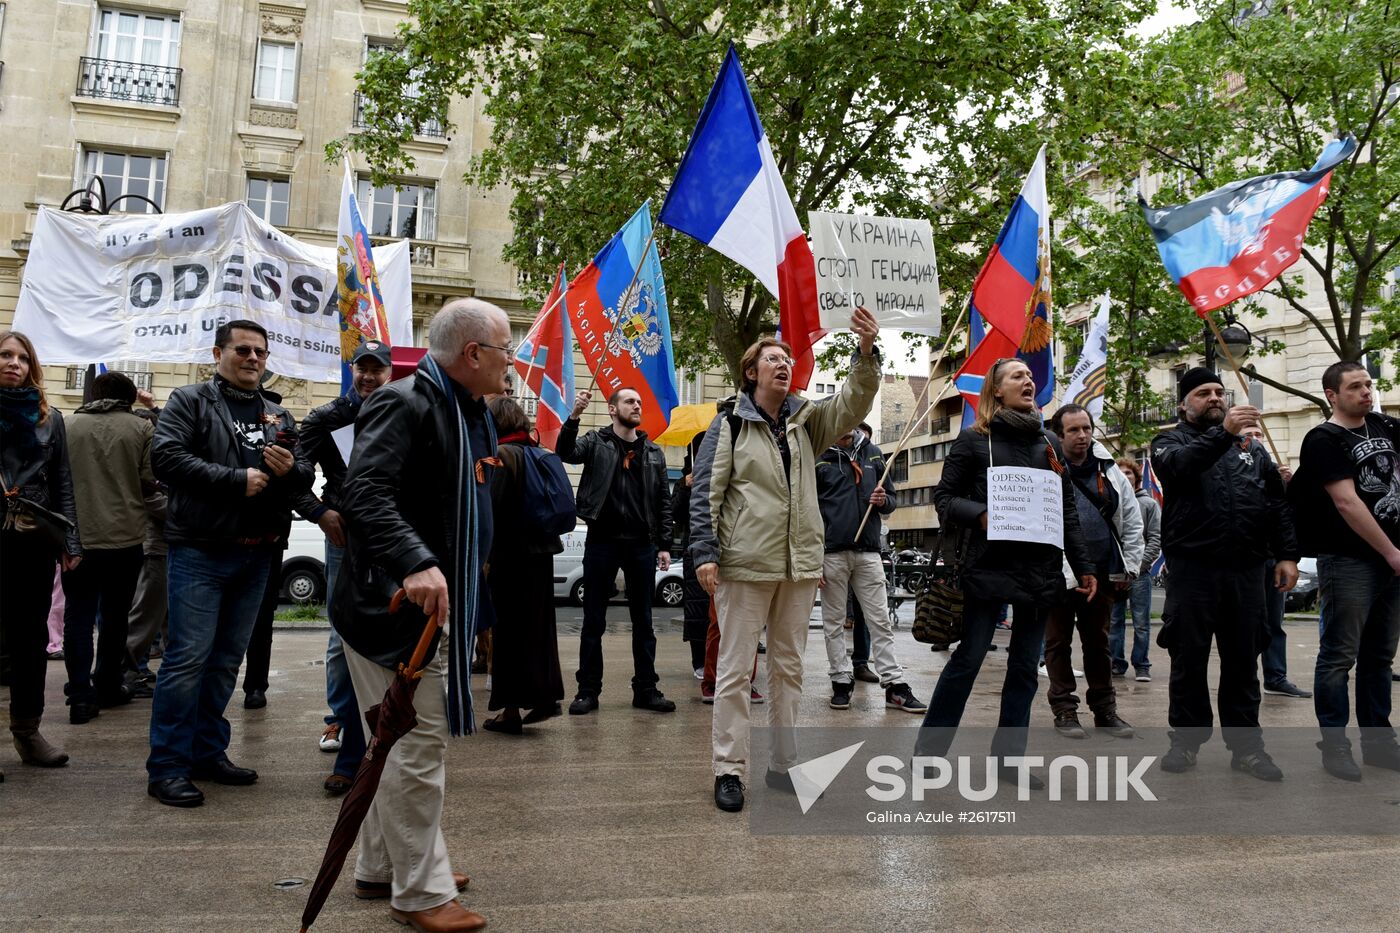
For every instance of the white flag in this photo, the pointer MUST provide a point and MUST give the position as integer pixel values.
(1090, 377)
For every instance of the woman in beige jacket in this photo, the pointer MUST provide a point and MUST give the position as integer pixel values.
(756, 538)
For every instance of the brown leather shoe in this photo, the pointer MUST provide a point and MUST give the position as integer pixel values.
(451, 917)
(374, 890)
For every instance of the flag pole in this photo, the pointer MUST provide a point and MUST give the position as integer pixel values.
(636, 273)
(1220, 339)
(908, 432)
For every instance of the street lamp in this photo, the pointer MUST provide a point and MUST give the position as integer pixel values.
(1235, 335)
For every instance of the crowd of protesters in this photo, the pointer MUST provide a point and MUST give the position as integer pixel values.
(160, 532)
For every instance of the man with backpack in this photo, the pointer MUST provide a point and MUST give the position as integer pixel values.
(623, 497)
(1348, 498)
(1111, 523)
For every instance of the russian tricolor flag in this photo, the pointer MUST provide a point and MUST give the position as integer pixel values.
(1011, 295)
(729, 195)
(1238, 238)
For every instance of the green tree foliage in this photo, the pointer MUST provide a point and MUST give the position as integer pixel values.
(894, 107)
(1253, 89)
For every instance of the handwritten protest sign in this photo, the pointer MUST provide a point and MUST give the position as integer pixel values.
(1025, 505)
(885, 264)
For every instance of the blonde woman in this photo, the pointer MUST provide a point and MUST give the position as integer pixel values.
(1007, 432)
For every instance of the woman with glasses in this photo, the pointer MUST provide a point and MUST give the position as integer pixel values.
(34, 468)
(757, 539)
(1006, 433)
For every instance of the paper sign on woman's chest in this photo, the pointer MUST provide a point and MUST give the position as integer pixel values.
(1025, 504)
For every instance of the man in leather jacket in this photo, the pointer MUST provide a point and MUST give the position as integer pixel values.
(622, 495)
(1224, 515)
(417, 505)
(224, 452)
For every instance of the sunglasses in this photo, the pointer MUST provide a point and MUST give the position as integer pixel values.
(245, 351)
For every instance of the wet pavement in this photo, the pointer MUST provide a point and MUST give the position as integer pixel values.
(606, 822)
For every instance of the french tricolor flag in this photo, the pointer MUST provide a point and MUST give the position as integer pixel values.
(729, 195)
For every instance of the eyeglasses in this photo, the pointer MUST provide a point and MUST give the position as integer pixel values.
(245, 351)
(508, 350)
(778, 360)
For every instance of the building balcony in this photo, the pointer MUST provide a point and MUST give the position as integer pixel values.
(128, 81)
(430, 128)
(76, 377)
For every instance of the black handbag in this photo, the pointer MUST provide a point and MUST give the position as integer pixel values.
(28, 517)
(938, 606)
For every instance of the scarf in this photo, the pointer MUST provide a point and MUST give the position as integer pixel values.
(464, 576)
(518, 437)
(232, 391)
(19, 417)
(1026, 421)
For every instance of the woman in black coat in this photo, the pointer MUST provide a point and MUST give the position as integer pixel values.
(1030, 576)
(525, 670)
(34, 466)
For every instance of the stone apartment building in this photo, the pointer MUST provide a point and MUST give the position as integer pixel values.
(195, 103)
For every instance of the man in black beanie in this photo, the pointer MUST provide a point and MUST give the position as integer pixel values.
(1223, 517)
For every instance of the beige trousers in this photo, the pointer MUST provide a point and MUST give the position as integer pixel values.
(401, 840)
(862, 574)
(744, 609)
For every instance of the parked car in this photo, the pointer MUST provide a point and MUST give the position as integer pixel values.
(1303, 597)
(668, 589)
(303, 564)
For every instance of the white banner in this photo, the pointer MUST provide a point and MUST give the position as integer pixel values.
(1090, 378)
(1025, 504)
(885, 264)
(154, 287)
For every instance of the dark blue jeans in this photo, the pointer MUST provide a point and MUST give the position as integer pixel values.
(214, 598)
(1274, 658)
(1360, 602)
(945, 710)
(601, 561)
(340, 693)
(1140, 602)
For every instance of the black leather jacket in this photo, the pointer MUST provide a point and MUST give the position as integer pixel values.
(320, 449)
(43, 476)
(1221, 500)
(400, 502)
(1005, 571)
(195, 453)
(597, 451)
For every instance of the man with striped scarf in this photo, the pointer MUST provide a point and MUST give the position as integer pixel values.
(417, 499)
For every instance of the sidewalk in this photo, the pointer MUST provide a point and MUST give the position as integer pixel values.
(606, 822)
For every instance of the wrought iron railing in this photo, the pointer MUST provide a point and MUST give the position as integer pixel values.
(114, 80)
(430, 127)
(76, 377)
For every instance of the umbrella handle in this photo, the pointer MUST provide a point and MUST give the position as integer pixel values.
(420, 651)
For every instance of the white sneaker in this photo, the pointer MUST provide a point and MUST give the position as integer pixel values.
(330, 739)
(699, 673)
(1042, 671)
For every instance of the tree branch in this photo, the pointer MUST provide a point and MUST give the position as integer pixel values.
(1253, 373)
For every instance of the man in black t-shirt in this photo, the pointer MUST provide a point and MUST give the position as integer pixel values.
(623, 497)
(1354, 530)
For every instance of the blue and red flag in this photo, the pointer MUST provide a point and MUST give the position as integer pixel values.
(625, 333)
(545, 361)
(359, 297)
(1240, 237)
(1009, 314)
(1151, 487)
(729, 195)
